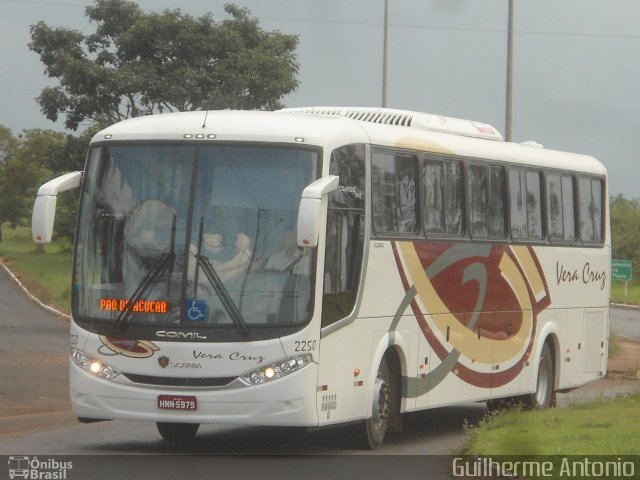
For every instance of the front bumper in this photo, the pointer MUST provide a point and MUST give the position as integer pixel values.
(288, 401)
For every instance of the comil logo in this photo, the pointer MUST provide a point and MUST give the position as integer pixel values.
(38, 469)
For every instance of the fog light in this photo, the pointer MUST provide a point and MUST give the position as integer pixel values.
(256, 377)
(80, 358)
(109, 373)
(285, 367)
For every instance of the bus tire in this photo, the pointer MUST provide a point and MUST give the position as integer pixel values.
(372, 432)
(177, 432)
(544, 395)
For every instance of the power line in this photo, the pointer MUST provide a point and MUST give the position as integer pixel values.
(52, 4)
(367, 24)
(577, 34)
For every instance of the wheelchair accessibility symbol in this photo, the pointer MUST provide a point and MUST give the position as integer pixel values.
(197, 310)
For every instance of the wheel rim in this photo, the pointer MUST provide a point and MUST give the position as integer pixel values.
(543, 388)
(381, 403)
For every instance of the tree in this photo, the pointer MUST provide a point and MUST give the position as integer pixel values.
(138, 63)
(70, 157)
(8, 143)
(625, 228)
(8, 146)
(24, 171)
(34, 158)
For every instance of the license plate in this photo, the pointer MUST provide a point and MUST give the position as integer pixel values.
(177, 402)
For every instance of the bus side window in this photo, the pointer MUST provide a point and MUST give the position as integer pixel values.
(487, 188)
(394, 183)
(443, 197)
(526, 205)
(591, 209)
(345, 235)
(562, 222)
(343, 261)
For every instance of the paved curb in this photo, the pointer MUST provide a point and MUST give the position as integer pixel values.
(34, 299)
(625, 306)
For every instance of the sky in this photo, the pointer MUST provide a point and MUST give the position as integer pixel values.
(576, 80)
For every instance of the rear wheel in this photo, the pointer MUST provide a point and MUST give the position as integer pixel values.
(545, 395)
(178, 432)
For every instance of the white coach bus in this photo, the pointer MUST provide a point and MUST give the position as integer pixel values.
(322, 266)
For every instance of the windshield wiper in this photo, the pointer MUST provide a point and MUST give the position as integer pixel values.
(227, 302)
(163, 263)
(203, 262)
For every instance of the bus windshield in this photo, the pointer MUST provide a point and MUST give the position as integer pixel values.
(179, 235)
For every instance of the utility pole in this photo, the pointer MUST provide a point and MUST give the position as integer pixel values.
(509, 102)
(385, 53)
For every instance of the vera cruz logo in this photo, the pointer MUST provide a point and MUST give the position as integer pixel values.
(477, 306)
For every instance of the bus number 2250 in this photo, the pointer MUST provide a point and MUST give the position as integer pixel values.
(306, 345)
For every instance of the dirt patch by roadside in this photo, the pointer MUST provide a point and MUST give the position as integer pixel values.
(626, 363)
(623, 378)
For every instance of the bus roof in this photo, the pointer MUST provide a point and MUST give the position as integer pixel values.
(406, 118)
(334, 126)
(452, 136)
(236, 125)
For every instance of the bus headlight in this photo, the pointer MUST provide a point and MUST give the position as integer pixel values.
(93, 366)
(276, 370)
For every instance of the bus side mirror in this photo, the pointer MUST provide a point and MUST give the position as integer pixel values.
(310, 210)
(44, 208)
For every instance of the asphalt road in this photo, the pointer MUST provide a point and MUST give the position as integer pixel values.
(35, 418)
(625, 322)
(34, 347)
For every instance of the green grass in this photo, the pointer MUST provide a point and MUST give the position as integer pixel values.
(633, 292)
(603, 427)
(46, 274)
(614, 346)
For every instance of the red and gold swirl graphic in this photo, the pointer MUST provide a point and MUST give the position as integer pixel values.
(127, 347)
(477, 305)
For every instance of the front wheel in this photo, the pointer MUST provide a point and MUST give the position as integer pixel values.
(371, 434)
(177, 432)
